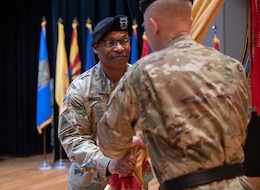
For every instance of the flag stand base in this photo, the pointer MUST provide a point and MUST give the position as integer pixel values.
(44, 166)
(60, 165)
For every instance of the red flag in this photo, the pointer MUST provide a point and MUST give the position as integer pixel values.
(145, 47)
(135, 181)
(216, 42)
(255, 54)
(215, 39)
(75, 62)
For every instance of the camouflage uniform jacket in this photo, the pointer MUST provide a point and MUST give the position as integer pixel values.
(193, 104)
(84, 104)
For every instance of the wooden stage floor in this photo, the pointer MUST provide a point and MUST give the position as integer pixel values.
(23, 174)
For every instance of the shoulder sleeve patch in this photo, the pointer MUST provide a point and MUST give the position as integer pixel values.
(63, 108)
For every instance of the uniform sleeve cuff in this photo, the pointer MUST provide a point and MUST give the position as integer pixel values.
(102, 166)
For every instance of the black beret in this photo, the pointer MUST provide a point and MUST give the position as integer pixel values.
(117, 23)
(143, 4)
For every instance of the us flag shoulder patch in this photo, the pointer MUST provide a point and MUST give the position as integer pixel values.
(63, 108)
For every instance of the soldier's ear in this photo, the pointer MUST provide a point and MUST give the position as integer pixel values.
(95, 48)
(191, 21)
(154, 25)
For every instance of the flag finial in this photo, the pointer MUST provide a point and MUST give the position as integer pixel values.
(75, 20)
(134, 25)
(74, 23)
(60, 20)
(43, 21)
(215, 28)
(89, 25)
(88, 21)
(134, 21)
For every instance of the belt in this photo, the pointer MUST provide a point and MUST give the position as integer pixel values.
(203, 177)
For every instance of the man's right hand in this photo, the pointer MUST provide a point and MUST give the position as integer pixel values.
(122, 167)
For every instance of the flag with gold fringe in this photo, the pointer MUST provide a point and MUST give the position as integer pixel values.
(134, 48)
(90, 60)
(75, 61)
(62, 75)
(44, 109)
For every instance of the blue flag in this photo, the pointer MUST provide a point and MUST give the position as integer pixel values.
(44, 110)
(90, 60)
(134, 52)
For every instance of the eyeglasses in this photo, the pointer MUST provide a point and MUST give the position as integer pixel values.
(110, 43)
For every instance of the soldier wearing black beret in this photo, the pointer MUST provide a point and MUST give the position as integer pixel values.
(84, 104)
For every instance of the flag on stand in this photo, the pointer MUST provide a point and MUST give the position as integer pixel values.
(255, 54)
(134, 52)
(216, 42)
(62, 75)
(75, 62)
(215, 39)
(145, 47)
(204, 13)
(44, 109)
(90, 60)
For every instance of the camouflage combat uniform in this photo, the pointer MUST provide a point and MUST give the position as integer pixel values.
(193, 104)
(84, 104)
